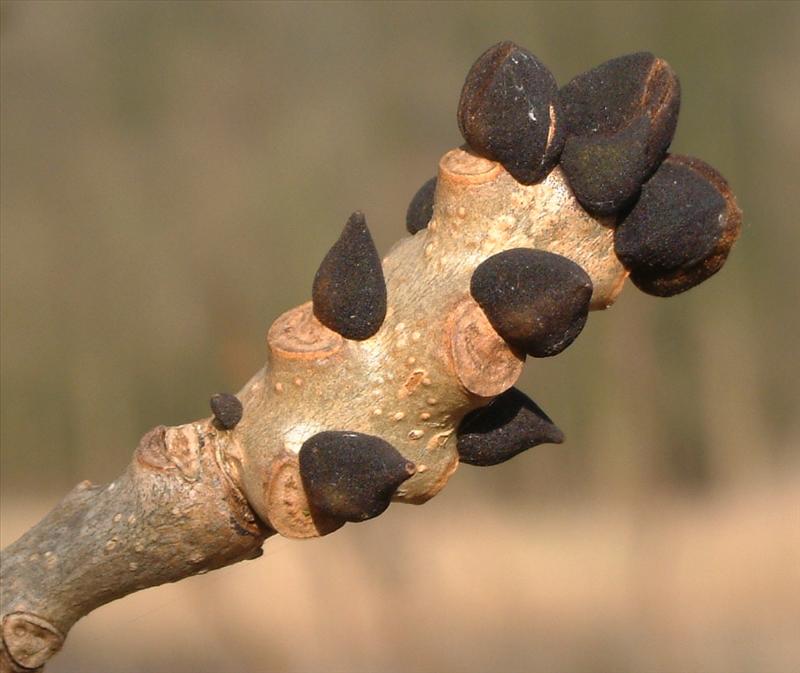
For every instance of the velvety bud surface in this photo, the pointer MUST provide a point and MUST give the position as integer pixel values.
(681, 229)
(619, 119)
(227, 410)
(351, 476)
(420, 210)
(509, 111)
(536, 300)
(349, 292)
(511, 424)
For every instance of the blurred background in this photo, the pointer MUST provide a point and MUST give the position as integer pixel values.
(172, 174)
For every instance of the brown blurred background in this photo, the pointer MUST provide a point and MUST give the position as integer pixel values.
(172, 173)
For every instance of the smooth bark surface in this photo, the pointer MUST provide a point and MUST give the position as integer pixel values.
(173, 513)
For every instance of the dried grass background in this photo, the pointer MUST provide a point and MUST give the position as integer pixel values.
(171, 175)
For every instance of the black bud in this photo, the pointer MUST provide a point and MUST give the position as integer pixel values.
(619, 120)
(681, 230)
(227, 410)
(351, 476)
(509, 109)
(349, 291)
(511, 424)
(536, 300)
(420, 210)
(606, 172)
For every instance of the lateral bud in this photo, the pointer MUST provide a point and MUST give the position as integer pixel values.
(227, 410)
(349, 292)
(536, 300)
(420, 210)
(351, 476)
(511, 424)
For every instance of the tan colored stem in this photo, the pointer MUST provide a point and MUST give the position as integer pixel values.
(196, 497)
(173, 513)
(434, 359)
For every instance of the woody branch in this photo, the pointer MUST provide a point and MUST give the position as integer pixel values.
(400, 368)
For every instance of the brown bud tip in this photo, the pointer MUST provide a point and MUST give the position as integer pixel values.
(536, 300)
(227, 410)
(349, 292)
(619, 119)
(511, 424)
(351, 476)
(681, 230)
(508, 112)
(420, 210)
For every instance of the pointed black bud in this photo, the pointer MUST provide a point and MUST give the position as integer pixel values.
(351, 476)
(349, 291)
(619, 119)
(420, 210)
(536, 300)
(227, 410)
(509, 112)
(681, 230)
(511, 424)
